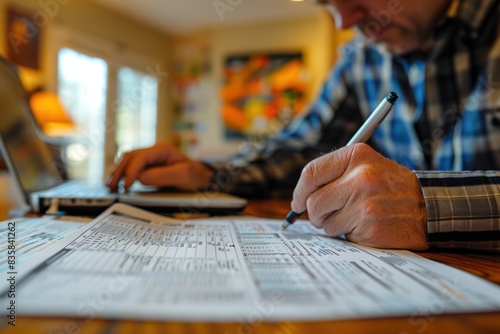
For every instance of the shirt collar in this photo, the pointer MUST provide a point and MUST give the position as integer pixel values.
(471, 12)
(453, 9)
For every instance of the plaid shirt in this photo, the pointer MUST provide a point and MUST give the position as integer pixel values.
(447, 119)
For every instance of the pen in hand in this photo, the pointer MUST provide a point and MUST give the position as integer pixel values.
(361, 136)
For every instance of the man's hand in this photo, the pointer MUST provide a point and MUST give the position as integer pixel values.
(372, 200)
(160, 165)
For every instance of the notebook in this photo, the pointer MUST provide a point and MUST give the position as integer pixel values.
(30, 161)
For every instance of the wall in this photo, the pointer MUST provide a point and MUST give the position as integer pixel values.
(316, 37)
(89, 18)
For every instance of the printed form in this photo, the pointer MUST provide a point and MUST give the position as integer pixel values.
(35, 234)
(132, 264)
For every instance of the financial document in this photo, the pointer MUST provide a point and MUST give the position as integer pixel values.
(132, 264)
(33, 235)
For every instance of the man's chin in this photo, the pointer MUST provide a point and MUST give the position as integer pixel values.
(392, 44)
(403, 47)
(397, 50)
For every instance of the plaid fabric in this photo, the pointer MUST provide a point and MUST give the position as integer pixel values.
(447, 119)
(463, 208)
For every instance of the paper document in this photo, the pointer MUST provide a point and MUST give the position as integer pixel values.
(33, 235)
(132, 264)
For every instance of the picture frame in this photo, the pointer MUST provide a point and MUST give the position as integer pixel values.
(22, 38)
(261, 93)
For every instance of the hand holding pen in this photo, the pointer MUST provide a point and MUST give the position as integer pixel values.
(356, 192)
(361, 136)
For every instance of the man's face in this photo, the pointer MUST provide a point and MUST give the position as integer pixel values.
(401, 26)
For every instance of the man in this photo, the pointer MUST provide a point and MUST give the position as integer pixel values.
(405, 189)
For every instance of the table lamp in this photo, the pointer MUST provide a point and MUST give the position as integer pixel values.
(51, 115)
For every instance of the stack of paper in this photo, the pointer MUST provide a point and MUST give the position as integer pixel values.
(129, 263)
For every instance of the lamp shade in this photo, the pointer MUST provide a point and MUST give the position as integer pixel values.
(50, 114)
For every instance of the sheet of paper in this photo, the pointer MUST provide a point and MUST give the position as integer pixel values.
(136, 265)
(33, 235)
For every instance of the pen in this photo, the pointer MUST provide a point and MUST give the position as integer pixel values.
(361, 136)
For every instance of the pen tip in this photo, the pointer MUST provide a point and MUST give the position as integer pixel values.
(284, 226)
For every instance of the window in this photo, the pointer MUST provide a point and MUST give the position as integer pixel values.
(82, 89)
(113, 105)
(136, 110)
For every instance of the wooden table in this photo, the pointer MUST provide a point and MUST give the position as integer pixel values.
(483, 265)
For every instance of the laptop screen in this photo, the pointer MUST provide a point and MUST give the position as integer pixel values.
(26, 155)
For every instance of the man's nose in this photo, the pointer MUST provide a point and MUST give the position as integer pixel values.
(347, 15)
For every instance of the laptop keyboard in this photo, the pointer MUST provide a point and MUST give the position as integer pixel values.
(78, 189)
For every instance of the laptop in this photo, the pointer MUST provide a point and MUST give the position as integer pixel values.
(30, 161)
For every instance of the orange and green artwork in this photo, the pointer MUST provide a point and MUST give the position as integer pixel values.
(261, 93)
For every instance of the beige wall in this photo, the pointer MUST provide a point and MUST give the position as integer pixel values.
(91, 19)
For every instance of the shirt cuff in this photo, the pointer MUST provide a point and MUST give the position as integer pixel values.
(463, 208)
